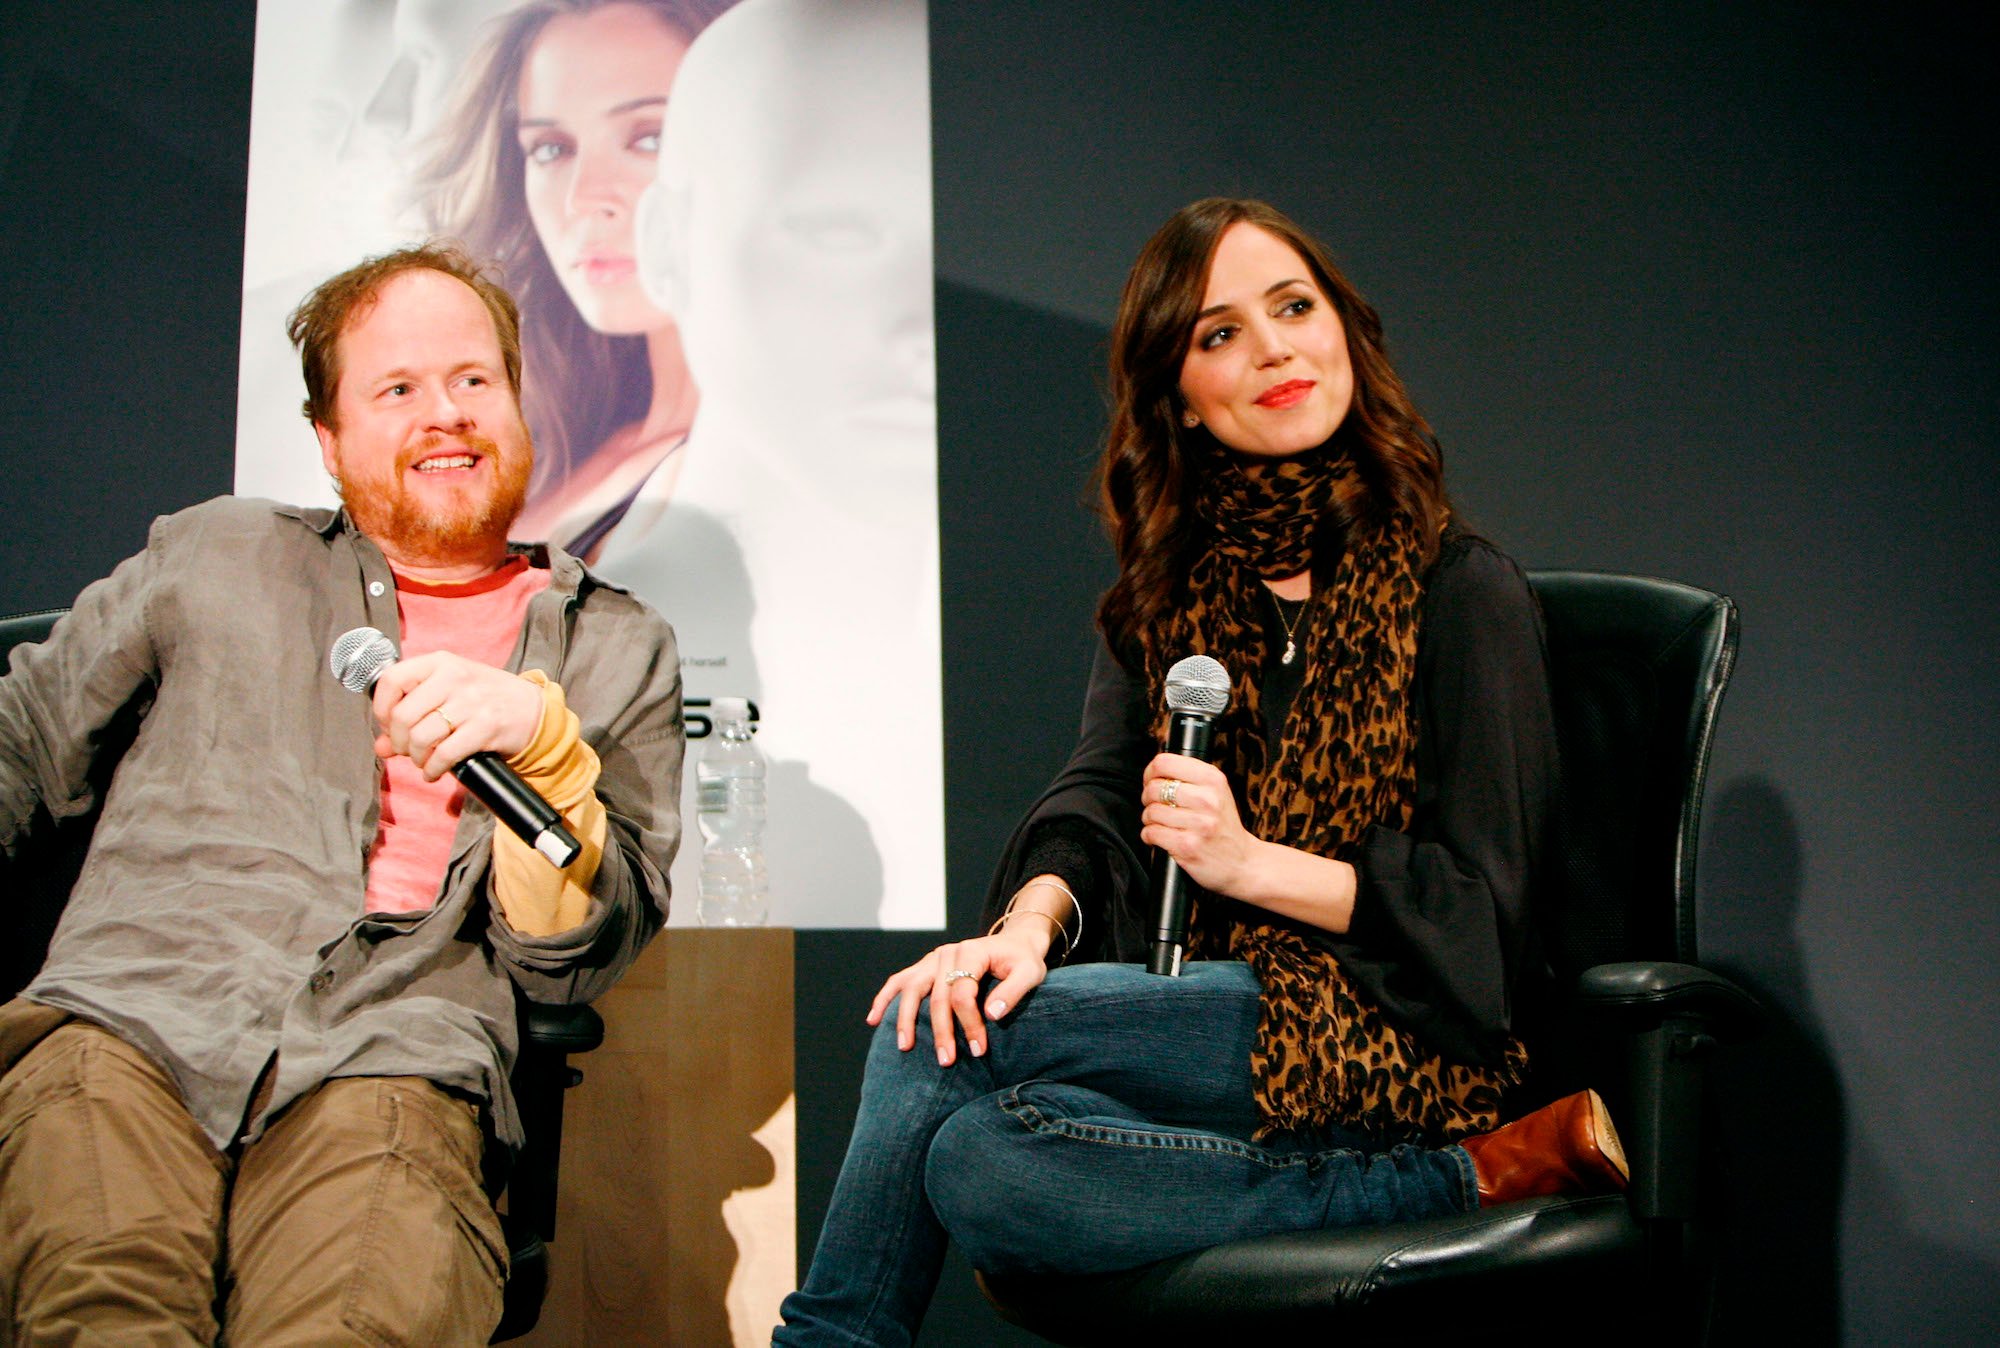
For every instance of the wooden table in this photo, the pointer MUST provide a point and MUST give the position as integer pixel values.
(677, 1222)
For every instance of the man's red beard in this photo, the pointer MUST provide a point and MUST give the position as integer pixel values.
(388, 513)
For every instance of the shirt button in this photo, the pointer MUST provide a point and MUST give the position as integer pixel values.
(375, 587)
(321, 981)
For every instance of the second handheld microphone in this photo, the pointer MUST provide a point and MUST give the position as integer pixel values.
(358, 659)
(1197, 693)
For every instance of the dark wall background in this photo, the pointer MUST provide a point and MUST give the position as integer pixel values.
(1706, 291)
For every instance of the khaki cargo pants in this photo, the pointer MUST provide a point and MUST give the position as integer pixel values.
(357, 1217)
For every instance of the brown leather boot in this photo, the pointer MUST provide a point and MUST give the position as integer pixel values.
(1568, 1147)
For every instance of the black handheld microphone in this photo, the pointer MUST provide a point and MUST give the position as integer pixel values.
(358, 659)
(1197, 693)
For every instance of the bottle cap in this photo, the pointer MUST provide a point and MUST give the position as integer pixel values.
(729, 709)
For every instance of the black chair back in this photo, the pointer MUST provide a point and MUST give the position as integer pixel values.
(48, 861)
(1637, 668)
(22, 628)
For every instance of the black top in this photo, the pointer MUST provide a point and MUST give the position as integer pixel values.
(1441, 936)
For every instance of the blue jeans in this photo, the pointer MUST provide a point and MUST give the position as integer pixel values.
(1107, 1127)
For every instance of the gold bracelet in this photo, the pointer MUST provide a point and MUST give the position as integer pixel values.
(1001, 921)
(1065, 891)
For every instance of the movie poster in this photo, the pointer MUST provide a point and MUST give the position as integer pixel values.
(716, 217)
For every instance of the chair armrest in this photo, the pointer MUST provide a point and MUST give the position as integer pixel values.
(565, 1029)
(1643, 993)
(549, 1036)
(1666, 1018)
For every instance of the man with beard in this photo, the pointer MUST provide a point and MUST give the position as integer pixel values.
(248, 1093)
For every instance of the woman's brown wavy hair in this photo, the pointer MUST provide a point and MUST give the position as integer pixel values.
(581, 384)
(1148, 477)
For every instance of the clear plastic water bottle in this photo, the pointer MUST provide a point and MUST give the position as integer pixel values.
(729, 792)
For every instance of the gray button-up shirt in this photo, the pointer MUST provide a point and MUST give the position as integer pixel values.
(219, 918)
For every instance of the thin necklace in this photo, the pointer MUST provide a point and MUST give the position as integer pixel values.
(1290, 625)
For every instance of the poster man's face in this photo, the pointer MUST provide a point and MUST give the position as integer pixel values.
(795, 180)
(593, 96)
(429, 446)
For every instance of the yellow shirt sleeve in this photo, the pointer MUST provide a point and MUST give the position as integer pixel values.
(537, 898)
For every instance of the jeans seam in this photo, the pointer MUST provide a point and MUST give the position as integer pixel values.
(1035, 1120)
(1468, 1179)
(936, 1087)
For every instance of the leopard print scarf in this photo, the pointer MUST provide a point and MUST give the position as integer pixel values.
(1345, 760)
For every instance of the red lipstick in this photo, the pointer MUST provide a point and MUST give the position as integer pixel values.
(1288, 394)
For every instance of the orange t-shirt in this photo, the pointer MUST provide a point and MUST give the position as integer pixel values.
(480, 621)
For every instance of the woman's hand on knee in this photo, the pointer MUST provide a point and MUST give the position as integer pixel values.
(950, 977)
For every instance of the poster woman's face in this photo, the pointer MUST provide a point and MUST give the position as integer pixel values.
(593, 95)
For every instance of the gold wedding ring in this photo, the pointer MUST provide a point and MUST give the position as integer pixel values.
(1170, 793)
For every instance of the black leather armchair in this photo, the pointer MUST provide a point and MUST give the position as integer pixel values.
(39, 882)
(1638, 668)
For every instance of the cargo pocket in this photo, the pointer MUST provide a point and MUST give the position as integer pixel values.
(108, 1192)
(434, 1261)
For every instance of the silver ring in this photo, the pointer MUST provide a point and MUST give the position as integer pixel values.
(955, 975)
(1170, 794)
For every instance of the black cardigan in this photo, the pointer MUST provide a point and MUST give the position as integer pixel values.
(1441, 936)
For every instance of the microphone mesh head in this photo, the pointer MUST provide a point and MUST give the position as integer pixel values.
(359, 657)
(1198, 684)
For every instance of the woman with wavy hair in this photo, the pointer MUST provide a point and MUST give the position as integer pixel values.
(1344, 1046)
(551, 136)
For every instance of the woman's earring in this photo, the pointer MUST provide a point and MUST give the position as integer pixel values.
(1190, 420)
